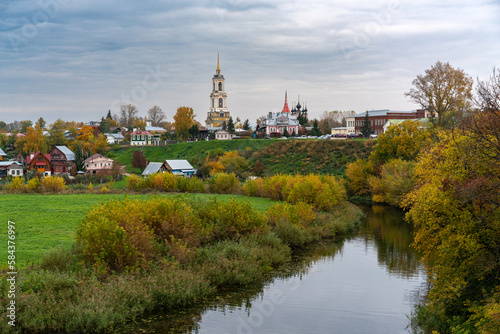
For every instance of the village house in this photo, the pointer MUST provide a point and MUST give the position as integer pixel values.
(151, 168)
(10, 168)
(223, 135)
(178, 167)
(62, 160)
(98, 164)
(39, 163)
(143, 138)
(114, 138)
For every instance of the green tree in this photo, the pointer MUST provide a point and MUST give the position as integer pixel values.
(56, 133)
(41, 122)
(230, 125)
(194, 131)
(315, 129)
(285, 133)
(366, 129)
(183, 120)
(246, 125)
(104, 126)
(25, 125)
(443, 91)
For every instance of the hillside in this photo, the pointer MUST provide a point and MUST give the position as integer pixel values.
(277, 156)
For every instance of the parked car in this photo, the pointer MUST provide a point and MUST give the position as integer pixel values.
(373, 135)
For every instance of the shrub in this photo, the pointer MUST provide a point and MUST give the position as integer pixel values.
(57, 259)
(300, 214)
(16, 185)
(52, 184)
(357, 174)
(395, 182)
(134, 182)
(230, 220)
(254, 187)
(274, 187)
(33, 184)
(323, 192)
(223, 183)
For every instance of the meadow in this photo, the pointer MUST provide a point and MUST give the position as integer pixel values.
(44, 222)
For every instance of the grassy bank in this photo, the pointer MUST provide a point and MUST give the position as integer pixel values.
(68, 294)
(46, 221)
(276, 156)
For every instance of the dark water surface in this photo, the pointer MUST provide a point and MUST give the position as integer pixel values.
(368, 284)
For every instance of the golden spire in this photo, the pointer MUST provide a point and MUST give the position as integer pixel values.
(218, 68)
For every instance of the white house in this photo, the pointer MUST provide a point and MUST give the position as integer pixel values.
(223, 135)
(114, 138)
(10, 168)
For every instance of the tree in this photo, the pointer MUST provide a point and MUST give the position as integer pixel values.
(139, 123)
(56, 133)
(139, 160)
(79, 160)
(224, 126)
(156, 116)
(103, 126)
(230, 125)
(184, 119)
(401, 141)
(331, 119)
(246, 125)
(456, 209)
(108, 116)
(194, 131)
(285, 133)
(41, 122)
(25, 125)
(366, 129)
(315, 130)
(128, 114)
(85, 133)
(443, 91)
(3, 125)
(34, 141)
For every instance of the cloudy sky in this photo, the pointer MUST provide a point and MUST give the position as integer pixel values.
(77, 59)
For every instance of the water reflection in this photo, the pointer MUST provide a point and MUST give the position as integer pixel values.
(363, 285)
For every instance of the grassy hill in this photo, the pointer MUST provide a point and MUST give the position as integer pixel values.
(277, 156)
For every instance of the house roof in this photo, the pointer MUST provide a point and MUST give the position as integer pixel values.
(95, 156)
(153, 167)
(29, 158)
(155, 128)
(2, 152)
(178, 164)
(140, 132)
(67, 152)
(383, 112)
(9, 163)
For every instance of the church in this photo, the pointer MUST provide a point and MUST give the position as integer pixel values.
(285, 121)
(218, 113)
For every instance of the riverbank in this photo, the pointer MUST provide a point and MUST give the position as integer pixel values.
(68, 294)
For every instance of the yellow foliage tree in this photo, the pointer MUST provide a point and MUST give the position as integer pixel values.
(184, 119)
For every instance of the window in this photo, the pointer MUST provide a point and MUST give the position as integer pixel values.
(39, 158)
(220, 103)
(18, 172)
(220, 85)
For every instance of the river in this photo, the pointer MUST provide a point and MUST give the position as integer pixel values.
(366, 284)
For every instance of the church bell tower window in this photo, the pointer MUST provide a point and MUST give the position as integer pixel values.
(220, 86)
(220, 103)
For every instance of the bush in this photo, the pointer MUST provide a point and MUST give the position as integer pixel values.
(135, 182)
(53, 184)
(224, 183)
(323, 192)
(16, 185)
(274, 187)
(357, 174)
(230, 220)
(300, 214)
(254, 187)
(395, 182)
(57, 259)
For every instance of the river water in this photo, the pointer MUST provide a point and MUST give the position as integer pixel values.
(366, 284)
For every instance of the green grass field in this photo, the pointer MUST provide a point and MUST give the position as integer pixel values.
(44, 222)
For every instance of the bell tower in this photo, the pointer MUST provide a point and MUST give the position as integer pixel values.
(218, 113)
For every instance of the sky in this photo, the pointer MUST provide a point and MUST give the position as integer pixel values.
(77, 59)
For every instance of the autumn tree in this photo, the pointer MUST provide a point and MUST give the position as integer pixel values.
(139, 123)
(85, 133)
(128, 114)
(139, 160)
(401, 141)
(34, 141)
(184, 119)
(443, 91)
(456, 209)
(156, 116)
